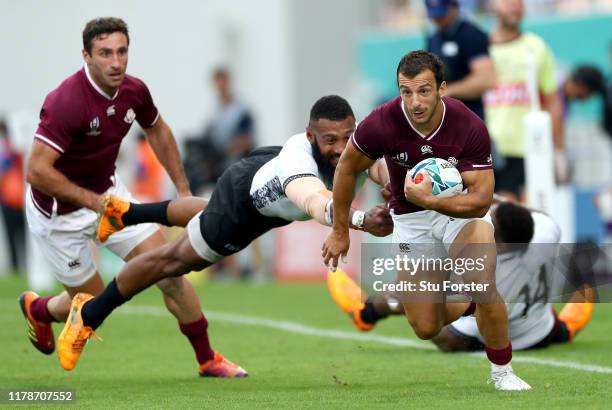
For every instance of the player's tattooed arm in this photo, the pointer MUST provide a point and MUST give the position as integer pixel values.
(42, 175)
(164, 145)
(474, 204)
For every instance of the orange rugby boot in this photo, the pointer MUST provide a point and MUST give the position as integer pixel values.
(110, 214)
(219, 366)
(75, 334)
(349, 297)
(39, 333)
(576, 316)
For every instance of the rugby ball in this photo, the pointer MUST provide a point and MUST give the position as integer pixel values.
(445, 178)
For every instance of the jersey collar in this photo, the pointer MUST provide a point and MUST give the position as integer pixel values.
(433, 134)
(96, 87)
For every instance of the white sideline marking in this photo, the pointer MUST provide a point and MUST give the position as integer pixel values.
(293, 327)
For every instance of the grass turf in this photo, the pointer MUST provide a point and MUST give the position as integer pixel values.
(145, 362)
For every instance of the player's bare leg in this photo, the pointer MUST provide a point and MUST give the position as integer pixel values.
(179, 295)
(476, 240)
(182, 301)
(169, 261)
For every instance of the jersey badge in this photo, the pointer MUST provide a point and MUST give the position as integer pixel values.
(426, 149)
(401, 159)
(94, 125)
(130, 116)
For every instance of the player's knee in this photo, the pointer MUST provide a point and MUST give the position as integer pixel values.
(171, 262)
(172, 287)
(425, 330)
(446, 342)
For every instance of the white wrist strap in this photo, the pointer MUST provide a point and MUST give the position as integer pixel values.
(358, 219)
(329, 213)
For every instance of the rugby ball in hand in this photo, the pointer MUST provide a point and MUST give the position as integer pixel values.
(445, 178)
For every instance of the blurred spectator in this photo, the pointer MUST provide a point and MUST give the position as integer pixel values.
(400, 15)
(584, 81)
(520, 58)
(464, 48)
(148, 183)
(12, 197)
(228, 137)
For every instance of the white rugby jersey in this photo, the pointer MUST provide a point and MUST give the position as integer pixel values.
(294, 161)
(525, 280)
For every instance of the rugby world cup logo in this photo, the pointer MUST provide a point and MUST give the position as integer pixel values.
(401, 159)
(93, 127)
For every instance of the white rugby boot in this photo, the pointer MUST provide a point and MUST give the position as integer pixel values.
(505, 379)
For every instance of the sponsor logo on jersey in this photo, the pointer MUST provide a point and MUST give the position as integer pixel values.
(401, 159)
(404, 247)
(426, 149)
(453, 161)
(74, 264)
(110, 111)
(130, 116)
(94, 125)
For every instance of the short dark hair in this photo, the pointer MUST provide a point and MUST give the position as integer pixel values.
(331, 107)
(103, 25)
(513, 223)
(590, 77)
(418, 61)
(221, 71)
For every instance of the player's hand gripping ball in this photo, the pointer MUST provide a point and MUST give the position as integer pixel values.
(445, 178)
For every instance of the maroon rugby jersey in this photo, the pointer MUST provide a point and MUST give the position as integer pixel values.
(462, 139)
(86, 126)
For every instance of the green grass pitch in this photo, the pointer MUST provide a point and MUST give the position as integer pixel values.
(144, 362)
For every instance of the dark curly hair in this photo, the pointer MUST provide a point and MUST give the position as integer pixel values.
(103, 25)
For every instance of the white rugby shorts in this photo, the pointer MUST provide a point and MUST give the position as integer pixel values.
(65, 240)
(428, 228)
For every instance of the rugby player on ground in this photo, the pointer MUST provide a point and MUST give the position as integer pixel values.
(523, 276)
(418, 124)
(271, 187)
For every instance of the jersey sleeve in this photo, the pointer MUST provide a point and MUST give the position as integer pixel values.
(477, 154)
(58, 123)
(295, 162)
(478, 46)
(147, 113)
(367, 138)
(547, 78)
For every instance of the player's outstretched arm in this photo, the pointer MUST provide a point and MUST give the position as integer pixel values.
(42, 175)
(351, 163)
(164, 145)
(474, 204)
(311, 196)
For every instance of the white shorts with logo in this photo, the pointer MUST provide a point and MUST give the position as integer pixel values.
(429, 227)
(65, 240)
